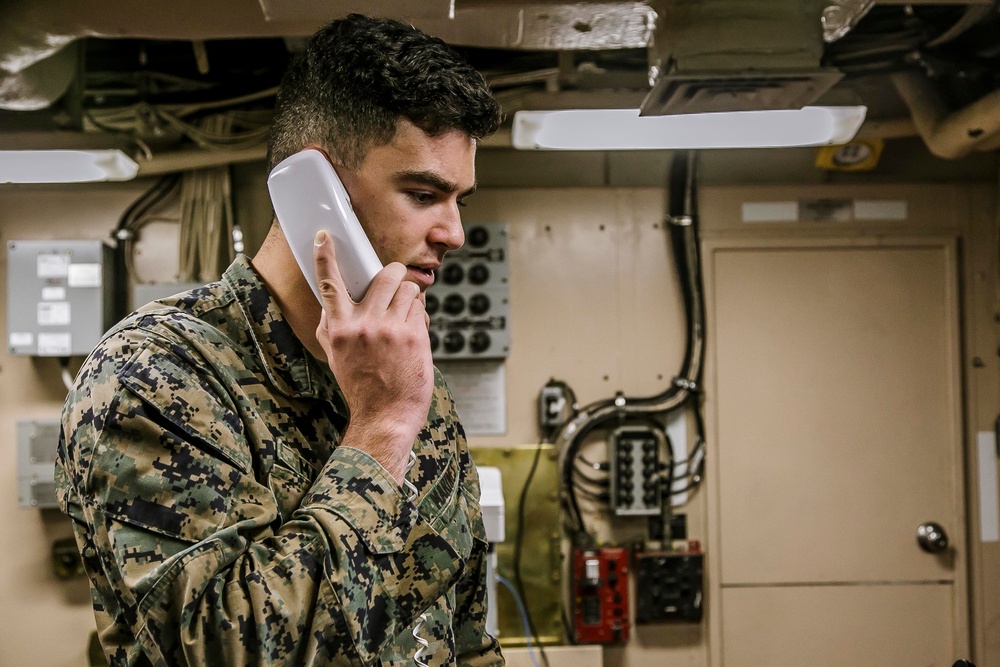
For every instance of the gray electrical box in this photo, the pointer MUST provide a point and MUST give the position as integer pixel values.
(59, 297)
(37, 441)
(469, 302)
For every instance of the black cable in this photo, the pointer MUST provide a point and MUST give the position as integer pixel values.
(596, 481)
(518, 548)
(600, 465)
(599, 497)
(681, 223)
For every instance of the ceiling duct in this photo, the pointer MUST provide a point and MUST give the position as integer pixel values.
(736, 55)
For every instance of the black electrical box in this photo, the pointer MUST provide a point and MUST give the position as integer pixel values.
(669, 586)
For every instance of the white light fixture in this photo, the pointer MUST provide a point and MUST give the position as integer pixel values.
(66, 166)
(625, 129)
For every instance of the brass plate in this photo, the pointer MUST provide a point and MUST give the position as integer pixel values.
(541, 568)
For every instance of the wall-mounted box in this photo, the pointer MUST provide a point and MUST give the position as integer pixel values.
(59, 296)
(37, 441)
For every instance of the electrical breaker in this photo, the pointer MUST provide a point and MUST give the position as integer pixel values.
(636, 485)
(469, 302)
(600, 595)
(669, 586)
(59, 300)
(37, 441)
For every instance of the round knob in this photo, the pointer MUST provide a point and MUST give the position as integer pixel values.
(432, 304)
(479, 304)
(452, 274)
(453, 342)
(454, 304)
(478, 274)
(479, 342)
(932, 538)
(478, 237)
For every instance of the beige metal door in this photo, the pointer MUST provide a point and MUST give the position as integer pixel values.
(839, 434)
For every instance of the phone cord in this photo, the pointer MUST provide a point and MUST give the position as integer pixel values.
(422, 644)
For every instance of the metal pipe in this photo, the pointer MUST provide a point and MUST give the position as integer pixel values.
(948, 134)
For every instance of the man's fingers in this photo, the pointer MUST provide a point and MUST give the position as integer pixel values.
(406, 294)
(332, 290)
(385, 285)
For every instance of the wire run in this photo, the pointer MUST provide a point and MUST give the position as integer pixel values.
(423, 646)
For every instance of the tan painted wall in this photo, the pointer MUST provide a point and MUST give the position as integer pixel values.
(594, 306)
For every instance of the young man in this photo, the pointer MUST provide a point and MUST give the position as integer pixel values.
(236, 460)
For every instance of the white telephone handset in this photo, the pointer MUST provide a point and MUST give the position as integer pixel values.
(308, 196)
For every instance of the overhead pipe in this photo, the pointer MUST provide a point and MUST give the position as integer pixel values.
(949, 134)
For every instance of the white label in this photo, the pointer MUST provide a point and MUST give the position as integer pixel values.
(53, 265)
(84, 275)
(21, 339)
(53, 314)
(53, 294)
(480, 390)
(989, 495)
(54, 344)
(879, 209)
(771, 211)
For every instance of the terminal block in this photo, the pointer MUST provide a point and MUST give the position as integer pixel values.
(636, 484)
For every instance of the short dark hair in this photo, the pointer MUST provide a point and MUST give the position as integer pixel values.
(358, 76)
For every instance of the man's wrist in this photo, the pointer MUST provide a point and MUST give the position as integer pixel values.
(383, 440)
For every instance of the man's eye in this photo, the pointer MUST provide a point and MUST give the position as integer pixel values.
(422, 197)
(461, 202)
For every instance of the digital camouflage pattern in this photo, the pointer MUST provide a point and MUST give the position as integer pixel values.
(221, 524)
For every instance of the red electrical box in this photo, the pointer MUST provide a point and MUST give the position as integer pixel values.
(600, 595)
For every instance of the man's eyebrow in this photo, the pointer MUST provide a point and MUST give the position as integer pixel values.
(435, 181)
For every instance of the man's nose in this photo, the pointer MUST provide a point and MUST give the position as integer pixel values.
(449, 231)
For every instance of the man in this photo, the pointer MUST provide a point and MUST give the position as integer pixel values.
(237, 460)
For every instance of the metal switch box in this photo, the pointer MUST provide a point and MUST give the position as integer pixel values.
(37, 441)
(59, 300)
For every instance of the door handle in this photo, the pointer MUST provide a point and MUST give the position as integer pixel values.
(932, 538)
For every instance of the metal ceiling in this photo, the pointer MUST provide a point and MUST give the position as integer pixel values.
(65, 64)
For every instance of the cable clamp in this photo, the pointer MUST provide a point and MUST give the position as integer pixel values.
(124, 234)
(681, 220)
(684, 383)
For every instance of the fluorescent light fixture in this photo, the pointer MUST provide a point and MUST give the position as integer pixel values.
(625, 129)
(66, 166)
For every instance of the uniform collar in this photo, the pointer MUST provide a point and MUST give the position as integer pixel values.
(288, 364)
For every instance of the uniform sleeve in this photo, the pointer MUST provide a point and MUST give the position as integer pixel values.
(201, 567)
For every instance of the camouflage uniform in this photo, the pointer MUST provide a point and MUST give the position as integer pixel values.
(221, 523)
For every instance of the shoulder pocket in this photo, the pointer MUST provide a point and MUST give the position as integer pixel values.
(191, 399)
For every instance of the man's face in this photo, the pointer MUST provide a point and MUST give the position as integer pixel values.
(407, 195)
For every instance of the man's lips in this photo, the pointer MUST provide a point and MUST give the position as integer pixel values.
(423, 276)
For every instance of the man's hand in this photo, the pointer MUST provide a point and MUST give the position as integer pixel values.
(380, 353)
